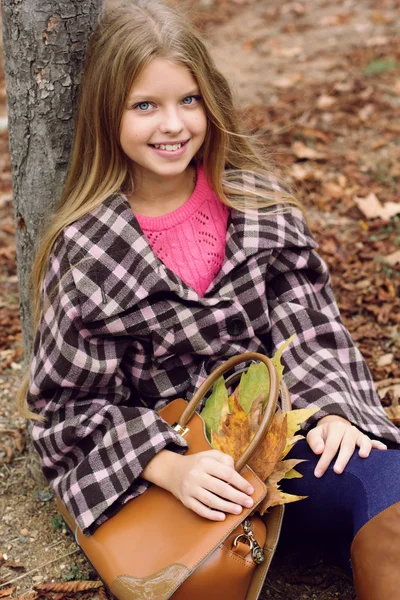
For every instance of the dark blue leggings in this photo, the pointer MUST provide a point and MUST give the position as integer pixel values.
(339, 505)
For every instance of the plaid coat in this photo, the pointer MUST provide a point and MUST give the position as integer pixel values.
(121, 335)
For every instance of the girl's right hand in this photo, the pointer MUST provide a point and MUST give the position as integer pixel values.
(208, 480)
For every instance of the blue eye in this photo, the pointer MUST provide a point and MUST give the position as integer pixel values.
(190, 100)
(143, 106)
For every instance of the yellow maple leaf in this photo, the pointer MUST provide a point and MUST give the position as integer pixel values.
(270, 449)
(272, 498)
(232, 422)
(234, 434)
(286, 498)
(297, 417)
(290, 442)
(274, 495)
(293, 474)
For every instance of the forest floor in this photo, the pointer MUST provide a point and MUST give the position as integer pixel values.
(318, 82)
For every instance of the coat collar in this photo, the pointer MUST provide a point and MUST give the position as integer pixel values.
(109, 239)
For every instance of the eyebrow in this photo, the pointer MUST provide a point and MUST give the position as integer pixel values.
(140, 95)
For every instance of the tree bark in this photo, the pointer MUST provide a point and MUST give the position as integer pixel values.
(44, 45)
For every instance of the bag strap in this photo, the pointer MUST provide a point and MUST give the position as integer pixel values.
(269, 410)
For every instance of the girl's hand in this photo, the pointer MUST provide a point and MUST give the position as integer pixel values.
(208, 480)
(334, 432)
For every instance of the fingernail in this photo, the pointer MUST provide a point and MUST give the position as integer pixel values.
(250, 490)
(249, 502)
(318, 447)
(318, 473)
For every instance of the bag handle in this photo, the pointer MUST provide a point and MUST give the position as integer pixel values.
(269, 410)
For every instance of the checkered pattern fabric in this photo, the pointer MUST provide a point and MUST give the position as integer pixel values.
(121, 335)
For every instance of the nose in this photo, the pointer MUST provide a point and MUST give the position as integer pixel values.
(171, 121)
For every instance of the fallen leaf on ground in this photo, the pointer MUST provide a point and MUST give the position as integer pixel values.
(385, 360)
(68, 587)
(302, 151)
(393, 412)
(372, 208)
(102, 592)
(7, 591)
(391, 387)
(14, 565)
(393, 259)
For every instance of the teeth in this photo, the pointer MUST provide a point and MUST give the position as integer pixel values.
(168, 146)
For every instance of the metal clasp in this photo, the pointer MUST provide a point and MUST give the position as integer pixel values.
(257, 553)
(181, 430)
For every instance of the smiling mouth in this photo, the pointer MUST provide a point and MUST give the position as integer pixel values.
(169, 147)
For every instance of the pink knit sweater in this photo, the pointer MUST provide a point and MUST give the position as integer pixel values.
(191, 240)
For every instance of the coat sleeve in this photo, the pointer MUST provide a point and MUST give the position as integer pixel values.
(94, 442)
(323, 367)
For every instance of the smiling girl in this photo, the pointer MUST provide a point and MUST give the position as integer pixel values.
(163, 126)
(172, 248)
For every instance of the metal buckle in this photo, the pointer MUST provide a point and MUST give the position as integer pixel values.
(181, 430)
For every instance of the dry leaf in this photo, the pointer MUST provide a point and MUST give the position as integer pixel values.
(102, 592)
(391, 387)
(385, 360)
(7, 592)
(8, 452)
(297, 417)
(270, 449)
(275, 497)
(272, 498)
(290, 442)
(302, 151)
(14, 565)
(68, 587)
(372, 208)
(325, 101)
(287, 82)
(234, 434)
(232, 422)
(393, 259)
(393, 412)
(287, 498)
(283, 467)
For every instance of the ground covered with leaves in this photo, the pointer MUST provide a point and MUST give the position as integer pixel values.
(318, 83)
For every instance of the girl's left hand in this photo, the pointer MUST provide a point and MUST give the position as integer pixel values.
(333, 432)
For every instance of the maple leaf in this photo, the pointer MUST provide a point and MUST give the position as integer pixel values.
(274, 495)
(217, 406)
(297, 417)
(290, 442)
(254, 386)
(276, 359)
(233, 436)
(232, 421)
(270, 449)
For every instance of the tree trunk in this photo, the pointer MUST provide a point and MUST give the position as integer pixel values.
(44, 46)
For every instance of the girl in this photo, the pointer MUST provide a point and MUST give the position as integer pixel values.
(173, 248)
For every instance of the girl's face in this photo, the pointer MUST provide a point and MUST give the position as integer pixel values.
(164, 121)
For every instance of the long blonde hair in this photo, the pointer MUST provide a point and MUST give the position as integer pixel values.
(128, 36)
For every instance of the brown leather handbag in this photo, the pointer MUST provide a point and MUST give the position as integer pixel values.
(155, 548)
